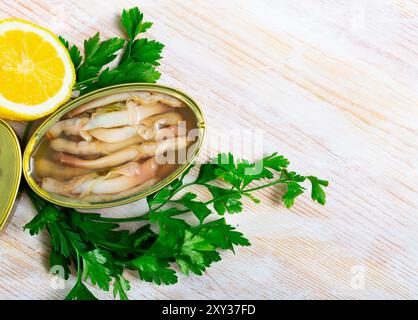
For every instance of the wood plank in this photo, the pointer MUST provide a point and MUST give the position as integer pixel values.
(332, 85)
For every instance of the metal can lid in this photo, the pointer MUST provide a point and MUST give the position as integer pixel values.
(10, 170)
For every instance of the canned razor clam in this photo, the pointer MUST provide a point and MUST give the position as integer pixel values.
(10, 170)
(114, 146)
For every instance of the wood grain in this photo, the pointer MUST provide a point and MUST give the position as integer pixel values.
(331, 85)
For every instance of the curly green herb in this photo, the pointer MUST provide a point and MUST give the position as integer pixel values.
(100, 251)
(137, 63)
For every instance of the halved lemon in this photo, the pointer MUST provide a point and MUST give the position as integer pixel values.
(36, 72)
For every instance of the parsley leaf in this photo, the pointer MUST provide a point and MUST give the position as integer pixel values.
(59, 241)
(199, 265)
(293, 191)
(160, 196)
(36, 225)
(196, 254)
(95, 268)
(170, 238)
(120, 287)
(155, 270)
(318, 193)
(227, 170)
(227, 200)
(80, 292)
(222, 235)
(200, 210)
(96, 55)
(206, 173)
(57, 260)
(73, 51)
(275, 161)
(128, 71)
(132, 21)
(147, 51)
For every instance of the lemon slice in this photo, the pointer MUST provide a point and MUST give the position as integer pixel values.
(36, 72)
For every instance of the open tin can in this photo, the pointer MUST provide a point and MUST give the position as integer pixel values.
(10, 171)
(89, 182)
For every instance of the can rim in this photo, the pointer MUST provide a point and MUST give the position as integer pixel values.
(38, 134)
(15, 187)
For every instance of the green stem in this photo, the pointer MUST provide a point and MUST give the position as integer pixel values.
(113, 246)
(246, 191)
(146, 216)
(127, 52)
(266, 185)
(175, 192)
(78, 267)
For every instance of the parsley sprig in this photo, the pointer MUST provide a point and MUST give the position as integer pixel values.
(99, 250)
(137, 63)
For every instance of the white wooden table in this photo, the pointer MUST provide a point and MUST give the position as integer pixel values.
(332, 85)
